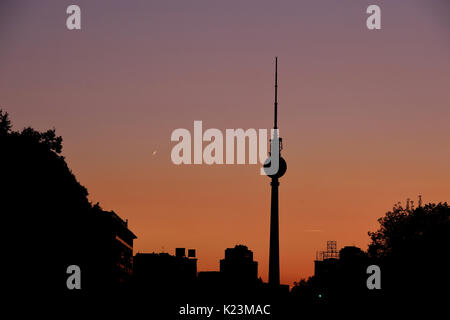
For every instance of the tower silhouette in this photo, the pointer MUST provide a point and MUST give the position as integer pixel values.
(275, 155)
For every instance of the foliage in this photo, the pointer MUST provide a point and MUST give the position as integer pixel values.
(405, 231)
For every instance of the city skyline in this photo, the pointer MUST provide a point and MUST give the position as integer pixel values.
(363, 130)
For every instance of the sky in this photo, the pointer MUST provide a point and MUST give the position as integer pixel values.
(364, 115)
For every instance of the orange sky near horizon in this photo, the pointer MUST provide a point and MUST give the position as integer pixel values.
(364, 115)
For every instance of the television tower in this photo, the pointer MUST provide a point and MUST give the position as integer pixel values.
(275, 142)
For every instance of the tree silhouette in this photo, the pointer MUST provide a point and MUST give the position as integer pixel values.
(412, 247)
(404, 231)
(5, 123)
(46, 211)
(47, 138)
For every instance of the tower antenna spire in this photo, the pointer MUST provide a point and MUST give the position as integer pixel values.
(275, 123)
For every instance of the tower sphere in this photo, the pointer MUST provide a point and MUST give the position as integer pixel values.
(281, 168)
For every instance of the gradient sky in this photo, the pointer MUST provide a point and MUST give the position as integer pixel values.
(364, 115)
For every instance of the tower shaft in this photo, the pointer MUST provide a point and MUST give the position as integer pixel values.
(274, 251)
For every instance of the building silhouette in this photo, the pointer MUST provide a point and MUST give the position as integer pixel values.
(119, 239)
(163, 272)
(210, 283)
(238, 266)
(108, 253)
(339, 276)
(326, 262)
